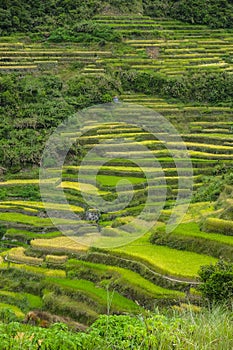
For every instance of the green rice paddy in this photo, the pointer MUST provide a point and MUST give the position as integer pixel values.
(169, 261)
(193, 230)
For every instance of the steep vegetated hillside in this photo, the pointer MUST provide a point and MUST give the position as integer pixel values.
(172, 57)
(30, 16)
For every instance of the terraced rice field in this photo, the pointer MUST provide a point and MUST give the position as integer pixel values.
(193, 230)
(34, 57)
(24, 215)
(125, 276)
(164, 259)
(33, 245)
(179, 47)
(59, 244)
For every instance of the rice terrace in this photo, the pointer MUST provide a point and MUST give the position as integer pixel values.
(116, 174)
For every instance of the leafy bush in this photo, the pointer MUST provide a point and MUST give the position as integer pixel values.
(87, 31)
(90, 90)
(31, 105)
(126, 6)
(217, 282)
(28, 191)
(39, 16)
(209, 191)
(210, 330)
(3, 230)
(156, 8)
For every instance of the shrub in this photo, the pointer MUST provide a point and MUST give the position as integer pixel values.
(193, 86)
(207, 329)
(214, 186)
(37, 16)
(90, 90)
(156, 8)
(217, 282)
(3, 230)
(126, 6)
(85, 32)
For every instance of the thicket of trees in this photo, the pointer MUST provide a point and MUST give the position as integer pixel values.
(42, 16)
(215, 13)
(194, 86)
(35, 15)
(32, 106)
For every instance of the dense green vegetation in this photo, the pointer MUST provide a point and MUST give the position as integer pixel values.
(217, 282)
(214, 13)
(29, 16)
(184, 329)
(211, 190)
(196, 87)
(21, 16)
(43, 103)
